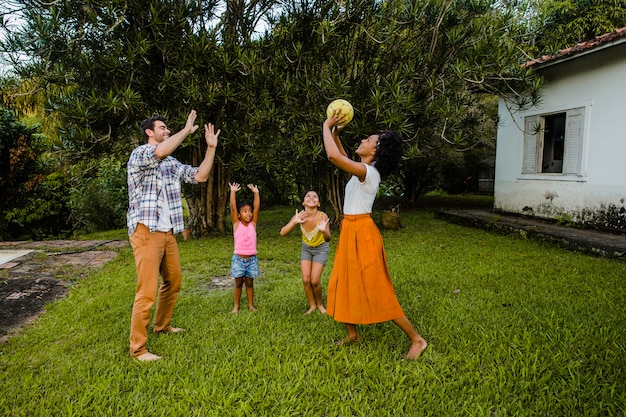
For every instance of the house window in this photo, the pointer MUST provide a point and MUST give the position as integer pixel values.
(553, 143)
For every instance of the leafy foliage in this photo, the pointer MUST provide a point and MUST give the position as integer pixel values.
(34, 195)
(99, 200)
(427, 69)
(559, 24)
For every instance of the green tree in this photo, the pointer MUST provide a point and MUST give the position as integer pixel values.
(34, 202)
(105, 66)
(98, 197)
(430, 70)
(557, 24)
(424, 68)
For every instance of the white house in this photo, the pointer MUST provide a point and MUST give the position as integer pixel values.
(566, 158)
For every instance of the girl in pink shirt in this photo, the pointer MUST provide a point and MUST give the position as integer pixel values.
(244, 266)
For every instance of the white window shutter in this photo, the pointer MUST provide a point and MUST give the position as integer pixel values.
(573, 141)
(531, 135)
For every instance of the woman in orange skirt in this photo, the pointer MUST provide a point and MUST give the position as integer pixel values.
(360, 290)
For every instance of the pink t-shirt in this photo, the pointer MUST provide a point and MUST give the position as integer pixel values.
(245, 239)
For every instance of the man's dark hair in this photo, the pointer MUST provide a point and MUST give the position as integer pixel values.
(149, 124)
(389, 152)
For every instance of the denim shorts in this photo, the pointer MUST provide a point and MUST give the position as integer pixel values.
(244, 267)
(317, 254)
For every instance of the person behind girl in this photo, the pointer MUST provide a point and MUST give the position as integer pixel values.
(315, 230)
(244, 266)
(360, 290)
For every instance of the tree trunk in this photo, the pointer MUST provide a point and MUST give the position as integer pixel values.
(207, 203)
(193, 195)
(217, 196)
(193, 223)
(334, 190)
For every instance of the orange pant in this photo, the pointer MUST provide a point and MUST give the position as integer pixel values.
(155, 253)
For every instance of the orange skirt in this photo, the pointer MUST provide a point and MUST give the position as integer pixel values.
(360, 289)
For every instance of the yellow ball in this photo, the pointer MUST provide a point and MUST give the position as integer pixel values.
(344, 107)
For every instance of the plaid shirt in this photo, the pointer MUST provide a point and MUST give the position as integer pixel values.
(150, 181)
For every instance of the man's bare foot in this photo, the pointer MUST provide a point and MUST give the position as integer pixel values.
(321, 309)
(147, 357)
(310, 310)
(172, 330)
(176, 330)
(252, 308)
(347, 340)
(416, 349)
(235, 310)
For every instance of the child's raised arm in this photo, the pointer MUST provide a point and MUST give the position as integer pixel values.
(234, 215)
(256, 203)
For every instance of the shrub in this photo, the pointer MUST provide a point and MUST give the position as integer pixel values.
(99, 196)
(34, 202)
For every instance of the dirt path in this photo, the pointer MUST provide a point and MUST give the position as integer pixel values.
(30, 281)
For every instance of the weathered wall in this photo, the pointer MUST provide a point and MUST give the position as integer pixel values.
(597, 195)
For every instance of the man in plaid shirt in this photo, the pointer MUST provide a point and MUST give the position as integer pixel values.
(155, 215)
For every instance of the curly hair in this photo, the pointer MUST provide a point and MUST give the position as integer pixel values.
(389, 152)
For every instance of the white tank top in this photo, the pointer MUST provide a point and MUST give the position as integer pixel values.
(360, 196)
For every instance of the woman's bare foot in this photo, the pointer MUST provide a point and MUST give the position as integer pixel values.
(310, 310)
(321, 309)
(252, 308)
(146, 357)
(416, 349)
(235, 310)
(347, 340)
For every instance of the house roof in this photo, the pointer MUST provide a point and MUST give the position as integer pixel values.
(583, 48)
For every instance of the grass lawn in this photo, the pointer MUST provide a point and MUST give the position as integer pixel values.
(516, 328)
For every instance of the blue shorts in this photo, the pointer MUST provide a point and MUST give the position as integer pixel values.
(317, 254)
(244, 267)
